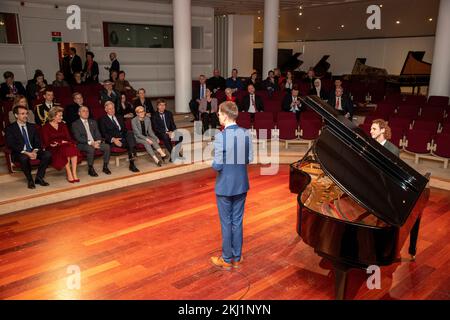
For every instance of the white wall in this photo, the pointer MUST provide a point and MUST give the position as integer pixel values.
(387, 53)
(152, 69)
(241, 44)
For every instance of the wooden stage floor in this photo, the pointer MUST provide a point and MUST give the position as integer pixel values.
(154, 241)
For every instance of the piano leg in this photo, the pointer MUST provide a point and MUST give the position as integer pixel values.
(413, 239)
(340, 280)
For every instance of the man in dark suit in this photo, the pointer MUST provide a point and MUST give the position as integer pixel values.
(232, 154)
(75, 61)
(109, 94)
(23, 140)
(142, 101)
(381, 132)
(198, 93)
(291, 102)
(216, 82)
(114, 131)
(10, 88)
(342, 103)
(88, 137)
(115, 65)
(71, 111)
(309, 78)
(164, 126)
(252, 103)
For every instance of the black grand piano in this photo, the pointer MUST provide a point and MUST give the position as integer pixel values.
(357, 202)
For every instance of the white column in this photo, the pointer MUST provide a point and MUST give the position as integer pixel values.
(440, 69)
(270, 51)
(182, 50)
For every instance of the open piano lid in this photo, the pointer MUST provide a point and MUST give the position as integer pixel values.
(369, 173)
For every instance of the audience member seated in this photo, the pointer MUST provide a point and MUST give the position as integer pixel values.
(56, 139)
(229, 95)
(89, 139)
(318, 90)
(122, 85)
(234, 83)
(43, 108)
(77, 80)
(71, 112)
(381, 132)
(309, 78)
(254, 81)
(36, 86)
(164, 126)
(10, 88)
(109, 94)
(208, 111)
(270, 84)
(76, 64)
(198, 93)
(23, 140)
(115, 65)
(90, 70)
(125, 109)
(342, 103)
(252, 103)
(113, 76)
(114, 131)
(141, 100)
(291, 102)
(337, 84)
(20, 100)
(60, 81)
(216, 82)
(279, 79)
(288, 82)
(143, 133)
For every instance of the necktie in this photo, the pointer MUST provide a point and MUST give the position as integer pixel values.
(88, 130)
(338, 103)
(202, 92)
(26, 140)
(116, 123)
(164, 120)
(253, 100)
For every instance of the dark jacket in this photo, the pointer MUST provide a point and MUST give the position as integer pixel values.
(15, 141)
(346, 104)
(93, 76)
(286, 104)
(158, 123)
(76, 65)
(115, 98)
(147, 105)
(216, 83)
(109, 129)
(5, 90)
(245, 105)
(80, 134)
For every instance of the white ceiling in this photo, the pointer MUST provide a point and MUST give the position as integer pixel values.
(323, 19)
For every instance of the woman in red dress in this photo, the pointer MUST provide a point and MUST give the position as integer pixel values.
(57, 140)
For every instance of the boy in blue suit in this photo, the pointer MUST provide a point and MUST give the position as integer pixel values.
(232, 154)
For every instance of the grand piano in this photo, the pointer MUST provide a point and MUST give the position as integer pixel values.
(357, 202)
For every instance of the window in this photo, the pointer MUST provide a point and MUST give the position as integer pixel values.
(8, 28)
(144, 36)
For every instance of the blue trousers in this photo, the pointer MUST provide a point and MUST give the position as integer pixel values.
(231, 213)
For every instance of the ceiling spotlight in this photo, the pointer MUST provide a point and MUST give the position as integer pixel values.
(259, 18)
(300, 13)
(301, 7)
(430, 19)
(2, 23)
(318, 27)
(298, 28)
(342, 26)
(381, 6)
(397, 22)
(127, 29)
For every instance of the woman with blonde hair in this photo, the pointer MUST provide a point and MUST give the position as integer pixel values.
(57, 140)
(143, 133)
(20, 100)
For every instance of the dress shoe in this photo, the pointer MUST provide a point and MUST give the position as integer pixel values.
(76, 180)
(133, 167)
(71, 181)
(31, 185)
(219, 262)
(236, 264)
(92, 172)
(41, 182)
(159, 163)
(106, 170)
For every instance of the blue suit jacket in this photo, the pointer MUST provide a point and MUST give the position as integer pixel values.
(232, 153)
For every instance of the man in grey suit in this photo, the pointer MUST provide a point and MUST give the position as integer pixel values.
(381, 132)
(143, 133)
(86, 133)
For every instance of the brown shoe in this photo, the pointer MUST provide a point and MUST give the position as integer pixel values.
(219, 262)
(236, 264)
